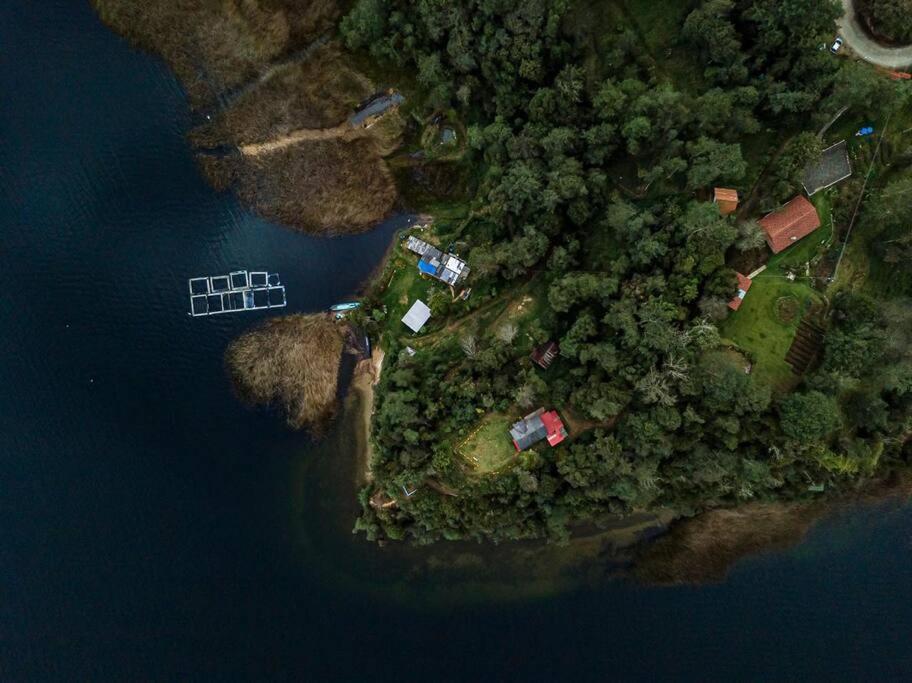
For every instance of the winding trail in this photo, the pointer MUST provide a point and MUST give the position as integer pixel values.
(866, 47)
(297, 136)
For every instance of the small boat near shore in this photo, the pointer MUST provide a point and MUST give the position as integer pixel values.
(349, 306)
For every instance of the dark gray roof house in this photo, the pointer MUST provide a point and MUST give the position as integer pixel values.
(833, 167)
(375, 108)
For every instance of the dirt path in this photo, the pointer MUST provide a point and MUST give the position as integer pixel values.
(296, 137)
(866, 47)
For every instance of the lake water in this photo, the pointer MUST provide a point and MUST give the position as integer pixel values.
(152, 528)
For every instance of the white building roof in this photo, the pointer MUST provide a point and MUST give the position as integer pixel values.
(417, 316)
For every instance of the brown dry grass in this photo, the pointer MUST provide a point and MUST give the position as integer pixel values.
(318, 186)
(326, 187)
(320, 93)
(703, 549)
(214, 45)
(292, 362)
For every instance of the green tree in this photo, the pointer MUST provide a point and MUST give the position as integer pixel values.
(712, 161)
(808, 417)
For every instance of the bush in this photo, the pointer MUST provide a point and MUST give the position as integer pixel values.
(809, 417)
(891, 19)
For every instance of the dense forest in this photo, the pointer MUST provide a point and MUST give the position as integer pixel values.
(891, 19)
(590, 163)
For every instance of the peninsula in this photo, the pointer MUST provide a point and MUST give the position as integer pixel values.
(667, 265)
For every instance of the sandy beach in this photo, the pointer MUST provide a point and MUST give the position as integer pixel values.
(366, 377)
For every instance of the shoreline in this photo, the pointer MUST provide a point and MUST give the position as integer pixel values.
(366, 377)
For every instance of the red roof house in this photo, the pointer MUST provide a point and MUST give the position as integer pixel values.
(726, 200)
(556, 430)
(537, 426)
(744, 284)
(789, 224)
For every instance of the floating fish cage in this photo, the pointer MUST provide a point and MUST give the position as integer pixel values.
(237, 291)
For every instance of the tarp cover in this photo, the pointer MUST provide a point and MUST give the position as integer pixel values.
(417, 315)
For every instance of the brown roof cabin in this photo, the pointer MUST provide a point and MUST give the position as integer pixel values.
(545, 354)
(792, 222)
(726, 200)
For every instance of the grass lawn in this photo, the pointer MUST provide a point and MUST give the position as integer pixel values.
(757, 326)
(489, 448)
(405, 287)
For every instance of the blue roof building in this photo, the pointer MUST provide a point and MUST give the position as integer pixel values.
(447, 268)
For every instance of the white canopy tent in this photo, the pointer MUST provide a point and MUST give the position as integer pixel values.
(417, 316)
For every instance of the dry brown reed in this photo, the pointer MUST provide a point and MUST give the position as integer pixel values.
(325, 187)
(215, 45)
(291, 362)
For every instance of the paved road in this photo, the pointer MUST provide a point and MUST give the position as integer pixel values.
(866, 48)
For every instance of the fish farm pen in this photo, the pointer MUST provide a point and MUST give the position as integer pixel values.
(237, 291)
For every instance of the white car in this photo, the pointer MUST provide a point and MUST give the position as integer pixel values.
(837, 45)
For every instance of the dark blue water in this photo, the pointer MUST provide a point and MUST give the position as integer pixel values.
(152, 528)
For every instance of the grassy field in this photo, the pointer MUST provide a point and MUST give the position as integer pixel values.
(489, 449)
(328, 187)
(757, 326)
(215, 46)
(405, 286)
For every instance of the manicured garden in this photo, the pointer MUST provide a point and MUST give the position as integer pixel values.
(766, 323)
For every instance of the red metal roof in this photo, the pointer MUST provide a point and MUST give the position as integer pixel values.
(744, 284)
(789, 224)
(556, 430)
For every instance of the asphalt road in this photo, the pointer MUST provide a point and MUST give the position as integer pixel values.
(865, 47)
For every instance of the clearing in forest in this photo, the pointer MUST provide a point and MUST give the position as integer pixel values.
(489, 448)
(766, 323)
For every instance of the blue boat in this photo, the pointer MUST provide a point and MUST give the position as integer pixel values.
(351, 305)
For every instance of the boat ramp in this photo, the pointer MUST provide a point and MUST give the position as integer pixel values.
(237, 291)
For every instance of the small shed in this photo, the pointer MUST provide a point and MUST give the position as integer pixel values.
(744, 284)
(726, 199)
(417, 316)
(834, 166)
(545, 354)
